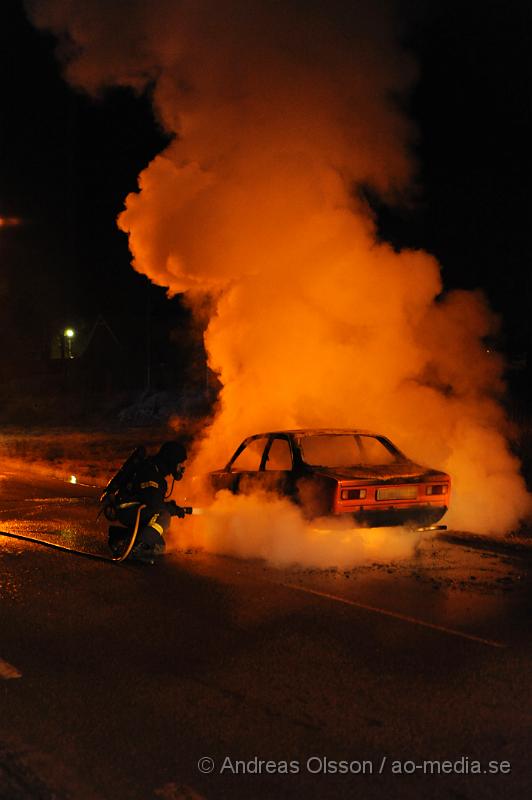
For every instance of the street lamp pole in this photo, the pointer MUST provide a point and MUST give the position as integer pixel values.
(68, 335)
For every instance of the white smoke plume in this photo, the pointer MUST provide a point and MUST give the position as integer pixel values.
(262, 525)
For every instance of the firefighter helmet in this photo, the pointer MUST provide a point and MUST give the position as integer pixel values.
(170, 456)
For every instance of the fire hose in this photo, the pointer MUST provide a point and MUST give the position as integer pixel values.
(131, 543)
(93, 556)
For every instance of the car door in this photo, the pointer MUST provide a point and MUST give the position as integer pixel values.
(243, 471)
(277, 468)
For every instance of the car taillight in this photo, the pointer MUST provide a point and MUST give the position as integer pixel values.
(438, 488)
(352, 494)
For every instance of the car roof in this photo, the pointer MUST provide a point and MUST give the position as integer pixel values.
(317, 432)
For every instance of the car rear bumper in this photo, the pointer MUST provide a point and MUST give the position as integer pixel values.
(417, 515)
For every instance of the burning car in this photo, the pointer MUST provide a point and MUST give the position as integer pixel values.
(338, 472)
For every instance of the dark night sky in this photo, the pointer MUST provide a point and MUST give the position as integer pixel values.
(67, 162)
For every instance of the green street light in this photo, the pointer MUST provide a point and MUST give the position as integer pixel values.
(70, 333)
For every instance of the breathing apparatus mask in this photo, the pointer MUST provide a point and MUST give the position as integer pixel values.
(178, 471)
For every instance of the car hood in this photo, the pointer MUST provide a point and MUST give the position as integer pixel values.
(405, 471)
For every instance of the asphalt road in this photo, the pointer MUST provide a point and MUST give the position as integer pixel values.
(116, 680)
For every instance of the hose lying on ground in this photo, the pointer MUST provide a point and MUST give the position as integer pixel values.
(82, 553)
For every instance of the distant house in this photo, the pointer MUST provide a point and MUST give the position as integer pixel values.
(93, 357)
(101, 362)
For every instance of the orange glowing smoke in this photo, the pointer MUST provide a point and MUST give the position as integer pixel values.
(10, 222)
(280, 110)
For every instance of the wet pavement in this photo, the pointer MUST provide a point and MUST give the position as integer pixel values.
(344, 680)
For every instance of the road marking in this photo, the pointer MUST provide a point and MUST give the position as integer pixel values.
(396, 615)
(8, 672)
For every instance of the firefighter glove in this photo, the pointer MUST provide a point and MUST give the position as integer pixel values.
(176, 511)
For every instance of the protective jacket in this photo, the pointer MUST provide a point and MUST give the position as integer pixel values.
(148, 488)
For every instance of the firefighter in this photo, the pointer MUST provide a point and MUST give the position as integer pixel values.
(144, 496)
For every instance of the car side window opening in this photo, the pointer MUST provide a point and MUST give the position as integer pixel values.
(279, 457)
(250, 458)
(345, 450)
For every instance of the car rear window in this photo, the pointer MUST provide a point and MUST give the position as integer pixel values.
(346, 450)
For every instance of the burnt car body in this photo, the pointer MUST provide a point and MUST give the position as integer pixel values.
(338, 472)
